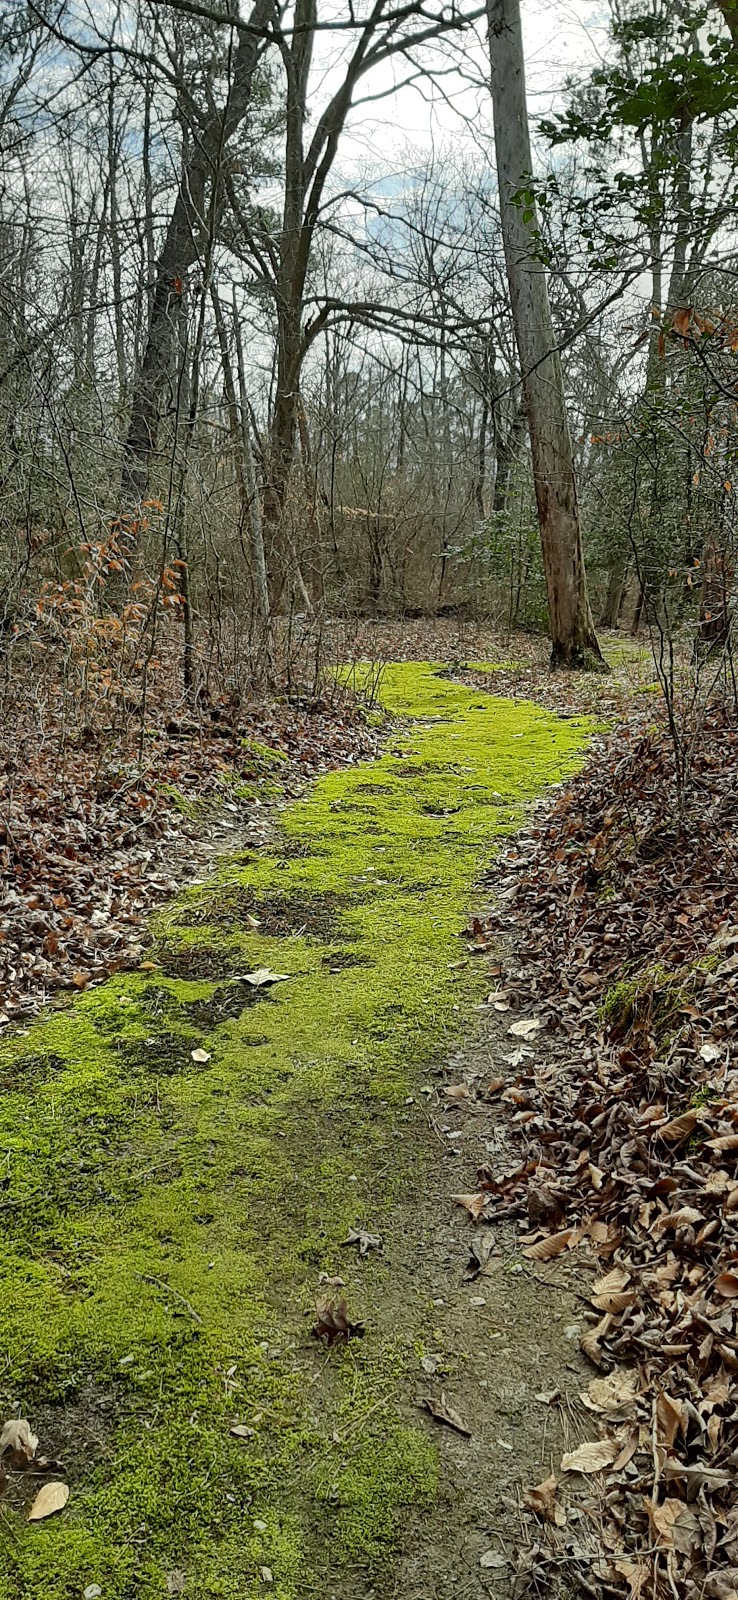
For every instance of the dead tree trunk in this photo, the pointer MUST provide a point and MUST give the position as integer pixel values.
(573, 637)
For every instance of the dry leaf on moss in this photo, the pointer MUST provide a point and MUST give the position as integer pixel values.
(333, 1323)
(365, 1241)
(262, 976)
(52, 1498)
(18, 1443)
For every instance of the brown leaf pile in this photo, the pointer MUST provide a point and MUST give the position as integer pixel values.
(92, 834)
(627, 1112)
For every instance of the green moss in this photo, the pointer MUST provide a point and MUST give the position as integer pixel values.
(370, 1490)
(262, 757)
(652, 998)
(166, 1220)
(185, 804)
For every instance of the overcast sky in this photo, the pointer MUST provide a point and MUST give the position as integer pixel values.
(561, 37)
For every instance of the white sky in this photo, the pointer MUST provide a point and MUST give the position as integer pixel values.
(561, 37)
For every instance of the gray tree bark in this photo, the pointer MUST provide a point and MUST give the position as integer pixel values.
(195, 205)
(573, 638)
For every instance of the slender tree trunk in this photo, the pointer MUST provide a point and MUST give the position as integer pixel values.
(248, 493)
(573, 637)
(484, 386)
(181, 248)
(505, 453)
(614, 597)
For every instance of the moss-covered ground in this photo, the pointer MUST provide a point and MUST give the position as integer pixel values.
(165, 1223)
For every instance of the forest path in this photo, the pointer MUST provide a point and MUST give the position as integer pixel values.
(186, 1153)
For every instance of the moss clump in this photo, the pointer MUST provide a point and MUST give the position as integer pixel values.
(651, 1000)
(368, 1491)
(164, 1229)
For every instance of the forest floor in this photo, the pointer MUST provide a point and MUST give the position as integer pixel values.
(243, 1302)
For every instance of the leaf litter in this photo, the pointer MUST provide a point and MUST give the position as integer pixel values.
(96, 833)
(624, 927)
(19, 1457)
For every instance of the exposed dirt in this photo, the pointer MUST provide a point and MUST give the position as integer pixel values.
(278, 916)
(501, 1346)
(498, 1362)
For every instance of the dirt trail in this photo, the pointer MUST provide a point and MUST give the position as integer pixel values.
(185, 1152)
(503, 1347)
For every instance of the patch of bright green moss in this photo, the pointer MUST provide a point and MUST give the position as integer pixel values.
(651, 999)
(166, 1219)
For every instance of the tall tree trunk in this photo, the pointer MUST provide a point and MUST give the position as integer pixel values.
(573, 637)
(507, 447)
(614, 598)
(485, 378)
(181, 248)
(248, 493)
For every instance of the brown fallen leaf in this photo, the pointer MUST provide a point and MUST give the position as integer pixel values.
(668, 1418)
(18, 1443)
(614, 1302)
(627, 1452)
(726, 1284)
(589, 1343)
(52, 1498)
(456, 1092)
(526, 1027)
(679, 1128)
(473, 1203)
(594, 1456)
(636, 1573)
(684, 1217)
(546, 1249)
(610, 1293)
(613, 1395)
(677, 1527)
(441, 1411)
(543, 1205)
(333, 1323)
(541, 1500)
(483, 1246)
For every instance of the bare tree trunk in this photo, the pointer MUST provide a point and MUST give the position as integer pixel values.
(506, 450)
(248, 492)
(614, 598)
(573, 637)
(180, 249)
